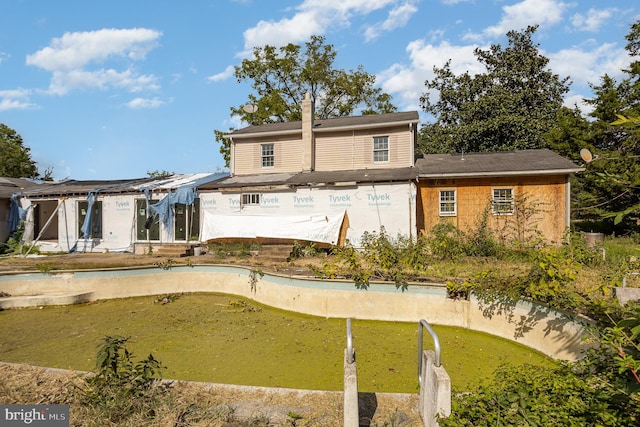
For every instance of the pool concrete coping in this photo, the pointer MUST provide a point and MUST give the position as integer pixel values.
(550, 332)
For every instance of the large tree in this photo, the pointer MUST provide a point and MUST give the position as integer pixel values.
(15, 157)
(610, 186)
(280, 78)
(510, 106)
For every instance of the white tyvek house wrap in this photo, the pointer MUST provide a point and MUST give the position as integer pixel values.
(368, 207)
(316, 228)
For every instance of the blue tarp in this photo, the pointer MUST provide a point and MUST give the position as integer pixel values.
(164, 208)
(16, 215)
(86, 225)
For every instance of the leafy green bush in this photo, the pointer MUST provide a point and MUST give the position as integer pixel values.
(446, 241)
(530, 396)
(120, 386)
(300, 250)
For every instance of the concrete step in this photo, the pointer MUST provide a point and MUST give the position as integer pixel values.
(174, 250)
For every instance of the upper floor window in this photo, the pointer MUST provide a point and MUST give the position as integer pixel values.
(380, 149)
(502, 203)
(249, 199)
(447, 202)
(268, 156)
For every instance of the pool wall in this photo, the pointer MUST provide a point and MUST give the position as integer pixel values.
(547, 331)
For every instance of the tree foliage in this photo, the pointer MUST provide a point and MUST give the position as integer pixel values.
(16, 157)
(610, 186)
(280, 78)
(510, 106)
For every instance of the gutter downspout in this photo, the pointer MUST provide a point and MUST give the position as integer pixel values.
(412, 144)
(567, 203)
(232, 157)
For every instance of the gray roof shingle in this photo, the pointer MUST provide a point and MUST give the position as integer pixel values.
(370, 120)
(504, 163)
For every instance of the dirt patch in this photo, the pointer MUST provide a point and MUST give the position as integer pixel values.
(193, 403)
(85, 261)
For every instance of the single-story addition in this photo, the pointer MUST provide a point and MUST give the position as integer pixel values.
(523, 193)
(320, 207)
(9, 187)
(112, 216)
(323, 181)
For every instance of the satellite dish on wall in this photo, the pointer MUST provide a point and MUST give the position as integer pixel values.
(586, 155)
(250, 108)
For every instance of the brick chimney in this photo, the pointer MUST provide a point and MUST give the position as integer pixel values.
(307, 134)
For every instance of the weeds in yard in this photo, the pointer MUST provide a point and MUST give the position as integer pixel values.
(120, 386)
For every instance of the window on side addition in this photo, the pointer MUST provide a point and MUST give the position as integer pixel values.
(380, 149)
(502, 203)
(250, 199)
(268, 156)
(93, 228)
(448, 203)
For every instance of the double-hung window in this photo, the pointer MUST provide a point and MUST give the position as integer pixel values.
(380, 149)
(502, 203)
(268, 155)
(250, 199)
(448, 203)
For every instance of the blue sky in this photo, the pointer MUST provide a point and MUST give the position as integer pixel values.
(113, 89)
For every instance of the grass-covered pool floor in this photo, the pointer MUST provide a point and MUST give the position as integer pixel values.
(226, 339)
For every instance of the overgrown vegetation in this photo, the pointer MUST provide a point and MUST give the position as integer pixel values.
(120, 386)
(224, 250)
(603, 388)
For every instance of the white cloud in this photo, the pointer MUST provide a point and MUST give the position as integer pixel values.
(451, 2)
(70, 57)
(528, 12)
(16, 99)
(407, 81)
(587, 66)
(63, 82)
(397, 18)
(140, 103)
(316, 17)
(4, 56)
(228, 72)
(593, 20)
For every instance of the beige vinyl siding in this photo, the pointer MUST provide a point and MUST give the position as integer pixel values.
(248, 155)
(354, 149)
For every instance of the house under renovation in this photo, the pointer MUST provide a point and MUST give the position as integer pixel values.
(111, 216)
(323, 181)
(523, 195)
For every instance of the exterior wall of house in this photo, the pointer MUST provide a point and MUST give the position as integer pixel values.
(118, 224)
(543, 200)
(341, 150)
(248, 155)
(368, 206)
(352, 150)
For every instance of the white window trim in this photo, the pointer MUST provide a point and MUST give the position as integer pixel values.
(502, 202)
(454, 202)
(250, 199)
(263, 157)
(374, 150)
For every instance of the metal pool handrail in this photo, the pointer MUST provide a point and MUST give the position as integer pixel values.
(436, 345)
(350, 353)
